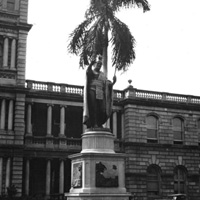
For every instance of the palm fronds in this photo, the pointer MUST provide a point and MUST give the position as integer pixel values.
(90, 38)
(77, 37)
(117, 4)
(123, 44)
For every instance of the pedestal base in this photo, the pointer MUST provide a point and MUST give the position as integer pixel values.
(98, 140)
(97, 197)
(97, 172)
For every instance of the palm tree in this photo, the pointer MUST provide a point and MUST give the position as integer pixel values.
(100, 27)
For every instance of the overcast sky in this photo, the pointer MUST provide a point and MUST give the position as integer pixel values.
(167, 48)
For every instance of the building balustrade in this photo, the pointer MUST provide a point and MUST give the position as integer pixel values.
(57, 142)
(130, 92)
(63, 143)
(53, 87)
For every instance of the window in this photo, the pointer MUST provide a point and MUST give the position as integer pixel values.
(180, 180)
(9, 51)
(39, 119)
(198, 130)
(178, 130)
(11, 5)
(55, 120)
(74, 122)
(153, 180)
(152, 129)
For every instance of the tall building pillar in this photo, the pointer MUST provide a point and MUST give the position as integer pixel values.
(48, 177)
(10, 115)
(122, 125)
(29, 125)
(7, 183)
(61, 177)
(5, 52)
(13, 54)
(62, 121)
(49, 120)
(1, 174)
(27, 175)
(114, 124)
(3, 113)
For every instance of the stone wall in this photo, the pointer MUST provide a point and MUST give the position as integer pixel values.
(164, 153)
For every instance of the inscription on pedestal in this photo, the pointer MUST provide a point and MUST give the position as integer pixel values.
(106, 174)
(77, 175)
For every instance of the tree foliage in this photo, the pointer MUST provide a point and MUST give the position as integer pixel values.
(91, 37)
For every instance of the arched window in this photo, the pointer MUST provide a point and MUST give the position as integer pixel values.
(180, 180)
(152, 129)
(153, 180)
(178, 130)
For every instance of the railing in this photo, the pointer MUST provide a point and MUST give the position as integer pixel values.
(133, 93)
(54, 87)
(54, 142)
(130, 92)
(62, 143)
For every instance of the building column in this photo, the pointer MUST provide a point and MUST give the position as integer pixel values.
(28, 120)
(61, 177)
(122, 124)
(49, 120)
(27, 177)
(5, 52)
(48, 177)
(10, 115)
(7, 182)
(13, 54)
(114, 124)
(62, 121)
(1, 174)
(3, 113)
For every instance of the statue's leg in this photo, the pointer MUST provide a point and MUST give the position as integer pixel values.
(100, 113)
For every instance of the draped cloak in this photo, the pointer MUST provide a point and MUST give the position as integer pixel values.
(107, 99)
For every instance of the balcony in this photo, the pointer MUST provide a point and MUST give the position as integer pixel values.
(53, 142)
(62, 143)
(128, 93)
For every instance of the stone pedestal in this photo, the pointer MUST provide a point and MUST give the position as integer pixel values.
(97, 171)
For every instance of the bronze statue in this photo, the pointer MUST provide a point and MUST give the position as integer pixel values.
(97, 96)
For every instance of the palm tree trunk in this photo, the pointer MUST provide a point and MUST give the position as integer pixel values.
(105, 53)
(105, 61)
